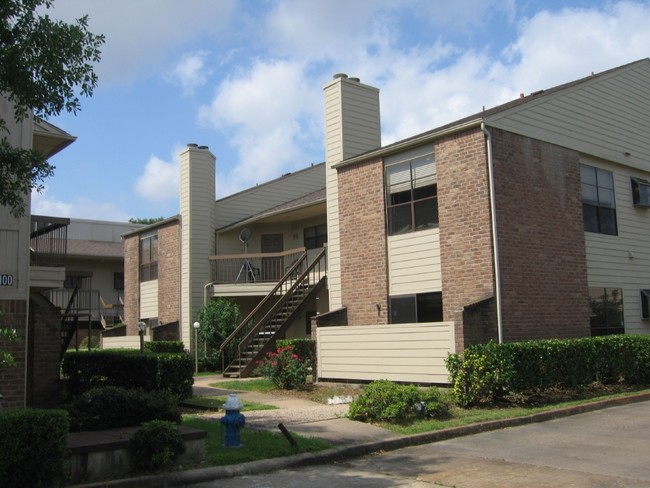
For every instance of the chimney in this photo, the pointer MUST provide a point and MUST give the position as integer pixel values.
(352, 127)
(197, 209)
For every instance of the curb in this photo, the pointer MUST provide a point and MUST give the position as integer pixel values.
(202, 475)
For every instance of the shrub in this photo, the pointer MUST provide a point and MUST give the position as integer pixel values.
(164, 346)
(284, 368)
(110, 407)
(33, 446)
(210, 362)
(484, 373)
(385, 401)
(156, 445)
(304, 348)
(172, 372)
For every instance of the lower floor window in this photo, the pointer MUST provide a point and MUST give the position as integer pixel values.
(422, 307)
(606, 311)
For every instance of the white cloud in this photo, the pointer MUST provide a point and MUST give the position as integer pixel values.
(267, 112)
(160, 180)
(78, 207)
(190, 72)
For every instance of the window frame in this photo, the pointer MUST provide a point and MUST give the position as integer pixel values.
(319, 237)
(419, 313)
(598, 216)
(645, 304)
(149, 258)
(607, 327)
(640, 192)
(410, 186)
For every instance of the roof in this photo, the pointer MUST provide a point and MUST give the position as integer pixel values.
(95, 249)
(49, 139)
(477, 118)
(150, 227)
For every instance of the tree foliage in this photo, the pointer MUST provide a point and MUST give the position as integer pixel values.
(6, 359)
(145, 220)
(45, 66)
(218, 319)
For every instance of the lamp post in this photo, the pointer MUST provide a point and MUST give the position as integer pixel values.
(141, 328)
(196, 347)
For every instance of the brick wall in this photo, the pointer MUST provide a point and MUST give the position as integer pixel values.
(44, 386)
(169, 274)
(12, 380)
(541, 239)
(132, 283)
(363, 243)
(467, 266)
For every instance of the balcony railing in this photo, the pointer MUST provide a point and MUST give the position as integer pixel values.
(86, 302)
(254, 267)
(48, 241)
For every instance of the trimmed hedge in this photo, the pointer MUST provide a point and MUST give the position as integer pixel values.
(486, 372)
(33, 445)
(172, 372)
(110, 407)
(156, 445)
(164, 346)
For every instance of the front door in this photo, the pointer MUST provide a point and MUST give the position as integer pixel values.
(272, 267)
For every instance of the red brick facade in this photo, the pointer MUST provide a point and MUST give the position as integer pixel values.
(364, 281)
(12, 380)
(169, 275)
(541, 239)
(467, 266)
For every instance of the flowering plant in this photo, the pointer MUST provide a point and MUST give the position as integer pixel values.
(284, 368)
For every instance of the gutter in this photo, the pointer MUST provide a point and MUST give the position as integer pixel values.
(493, 222)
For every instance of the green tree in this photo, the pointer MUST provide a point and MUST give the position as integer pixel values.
(146, 220)
(6, 359)
(45, 65)
(218, 319)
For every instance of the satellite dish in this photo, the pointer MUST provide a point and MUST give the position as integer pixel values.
(245, 235)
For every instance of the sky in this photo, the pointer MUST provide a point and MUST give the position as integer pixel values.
(246, 78)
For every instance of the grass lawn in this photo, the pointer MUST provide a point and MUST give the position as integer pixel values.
(256, 444)
(216, 402)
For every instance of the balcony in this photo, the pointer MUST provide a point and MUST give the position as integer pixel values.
(48, 249)
(254, 274)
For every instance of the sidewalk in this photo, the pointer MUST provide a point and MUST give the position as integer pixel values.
(350, 438)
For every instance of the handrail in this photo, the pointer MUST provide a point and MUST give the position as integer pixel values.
(250, 316)
(305, 275)
(251, 255)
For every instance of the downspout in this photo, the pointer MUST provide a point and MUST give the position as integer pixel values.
(493, 219)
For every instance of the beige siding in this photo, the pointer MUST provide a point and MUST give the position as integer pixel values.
(605, 117)
(258, 199)
(126, 342)
(405, 352)
(622, 261)
(149, 299)
(414, 262)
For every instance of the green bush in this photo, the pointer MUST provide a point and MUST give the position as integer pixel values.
(385, 401)
(110, 407)
(285, 369)
(156, 445)
(487, 372)
(304, 348)
(164, 346)
(33, 445)
(210, 362)
(172, 372)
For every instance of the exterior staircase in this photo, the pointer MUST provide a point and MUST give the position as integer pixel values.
(256, 334)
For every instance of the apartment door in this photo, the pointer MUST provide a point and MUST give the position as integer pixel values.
(272, 267)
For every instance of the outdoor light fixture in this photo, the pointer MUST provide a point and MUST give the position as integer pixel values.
(196, 347)
(141, 328)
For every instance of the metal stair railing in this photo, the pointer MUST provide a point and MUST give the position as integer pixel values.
(250, 328)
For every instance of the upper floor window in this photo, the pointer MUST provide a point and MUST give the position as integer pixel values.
(149, 258)
(640, 192)
(315, 237)
(598, 204)
(412, 195)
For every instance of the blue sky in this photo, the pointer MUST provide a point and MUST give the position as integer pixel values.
(245, 78)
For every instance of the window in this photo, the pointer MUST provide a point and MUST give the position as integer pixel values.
(315, 237)
(645, 304)
(606, 311)
(149, 258)
(412, 195)
(598, 205)
(118, 281)
(640, 192)
(423, 307)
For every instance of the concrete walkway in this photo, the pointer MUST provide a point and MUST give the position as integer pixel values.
(353, 440)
